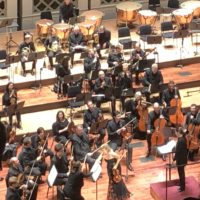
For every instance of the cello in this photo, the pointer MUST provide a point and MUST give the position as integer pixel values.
(192, 136)
(158, 136)
(177, 117)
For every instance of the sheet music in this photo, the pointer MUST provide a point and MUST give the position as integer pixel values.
(52, 175)
(167, 148)
(96, 171)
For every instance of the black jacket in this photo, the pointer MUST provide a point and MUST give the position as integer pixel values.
(104, 37)
(2, 137)
(97, 86)
(66, 12)
(167, 96)
(76, 39)
(114, 57)
(13, 194)
(81, 146)
(89, 65)
(181, 151)
(30, 45)
(195, 120)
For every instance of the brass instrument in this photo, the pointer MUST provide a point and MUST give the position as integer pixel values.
(25, 53)
(13, 97)
(55, 46)
(96, 38)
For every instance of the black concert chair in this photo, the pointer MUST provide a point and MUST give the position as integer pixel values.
(144, 32)
(124, 37)
(46, 15)
(167, 30)
(3, 64)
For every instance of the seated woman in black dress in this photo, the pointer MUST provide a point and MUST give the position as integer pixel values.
(60, 128)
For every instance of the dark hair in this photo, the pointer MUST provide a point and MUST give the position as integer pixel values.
(193, 105)
(26, 141)
(171, 82)
(7, 86)
(58, 147)
(40, 130)
(115, 113)
(60, 111)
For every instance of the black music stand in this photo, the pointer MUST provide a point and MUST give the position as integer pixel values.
(155, 39)
(94, 74)
(60, 57)
(11, 59)
(181, 34)
(145, 64)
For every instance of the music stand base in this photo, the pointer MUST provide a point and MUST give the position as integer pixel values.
(179, 65)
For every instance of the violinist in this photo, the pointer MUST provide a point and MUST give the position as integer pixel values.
(72, 188)
(81, 146)
(124, 82)
(26, 47)
(60, 128)
(116, 189)
(115, 128)
(115, 57)
(61, 164)
(30, 160)
(91, 63)
(103, 39)
(2, 144)
(153, 81)
(136, 55)
(39, 141)
(170, 93)
(193, 120)
(10, 99)
(153, 116)
(92, 115)
(53, 46)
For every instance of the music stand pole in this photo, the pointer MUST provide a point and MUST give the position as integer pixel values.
(96, 189)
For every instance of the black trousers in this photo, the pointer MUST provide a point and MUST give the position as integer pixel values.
(181, 173)
(24, 65)
(10, 115)
(149, 142)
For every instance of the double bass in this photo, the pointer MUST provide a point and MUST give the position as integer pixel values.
(177, 117)
(158, 136)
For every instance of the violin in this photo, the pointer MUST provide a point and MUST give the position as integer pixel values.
(158, 136)
(177, 118)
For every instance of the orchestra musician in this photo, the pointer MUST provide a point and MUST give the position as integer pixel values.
(2, 144)
(60, 128)
(104, 37)
(193, 118)
(72, 188)
(115, 128)
(136, 55)
(153, 116)
(31, 161)
(181, 157)
(153, 81)
(76, 42)
(115, 56)
(53, 46)
(10, 99)
(66, 11)
(61, 163)
(101, 84)
(39, 139)
(26, 47)
(116, 188)
(170, 93)
(92, 115)
(91, 63)
(81, 147)
(173, 4)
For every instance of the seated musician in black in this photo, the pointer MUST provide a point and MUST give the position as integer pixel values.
(136, 55)
(2, 144)
(61, 163)
(29, 159)
(40, 141)
(72, 188)
(115, 57)
(91, 63)
(76, 42)
(26, 47)
(60, 128)
(153, 116)
(81, 147)
(192, 118)
(16, 170)
(104, 37)
(124, 83)
(92, 115)
(153, 81)
(53, 46)
(9, 100)
(115, 129)
(103, 83)
(14, 192)
(66, 11)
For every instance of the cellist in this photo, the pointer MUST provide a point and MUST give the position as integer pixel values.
(192, 120)
(153, 116)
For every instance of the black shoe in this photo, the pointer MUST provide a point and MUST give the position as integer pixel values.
(163, 157)
(1, 178)
(24, 74)
(33, 72)
(19, 126)
(148, 154)
(130, 167)
(181, 189)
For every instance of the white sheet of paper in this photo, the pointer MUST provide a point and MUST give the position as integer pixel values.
(167, 148)
(52, 175)
(96, 171)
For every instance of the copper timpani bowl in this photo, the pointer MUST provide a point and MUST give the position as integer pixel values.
(62, 30)
(43, 26)
(128, 11)
(192, 5)
(147, 17)
(183, 16)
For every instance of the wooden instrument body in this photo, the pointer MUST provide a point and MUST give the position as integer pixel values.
(158, 136)
(143, 113)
